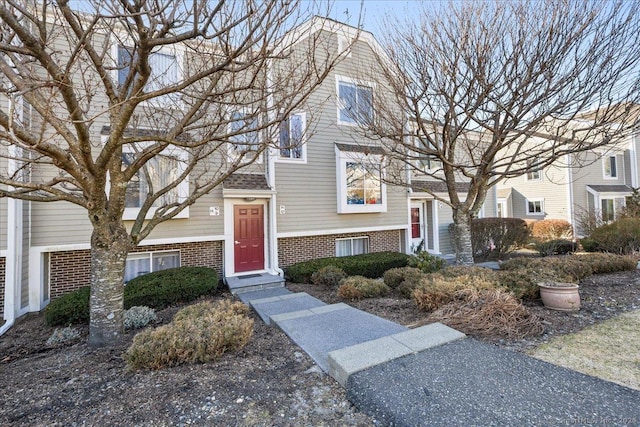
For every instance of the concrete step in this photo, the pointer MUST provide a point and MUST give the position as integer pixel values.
(253, 282)
(279, 304)
(349, 360)
(321, 330)
(247, 297)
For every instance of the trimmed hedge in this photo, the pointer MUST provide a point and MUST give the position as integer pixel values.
(157, 290)
(358, 287)
(372, 265)
(551, 229)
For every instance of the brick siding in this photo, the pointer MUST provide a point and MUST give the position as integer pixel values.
(297, 249)
(70, 270)
(2, 280)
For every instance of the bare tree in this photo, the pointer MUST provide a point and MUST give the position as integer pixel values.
(493, 90)
(136, 103)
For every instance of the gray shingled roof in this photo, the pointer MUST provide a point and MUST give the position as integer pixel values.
(437, 186)
(245, 181)
(614, 188)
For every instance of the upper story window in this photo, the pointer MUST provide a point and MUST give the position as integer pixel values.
(243, 129)
(360, 183)
(533, 175)
(610, 167)
(535, 207)
(164, 70)
(355, 102)
(426, 162)
(292, 137)
(156, 174)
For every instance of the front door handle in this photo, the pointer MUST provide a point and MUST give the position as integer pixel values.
(237, 242)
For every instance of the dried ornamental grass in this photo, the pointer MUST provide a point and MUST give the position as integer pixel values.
(489, 313)
(357, 287)
(198, 334)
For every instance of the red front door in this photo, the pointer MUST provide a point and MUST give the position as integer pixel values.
(248, 232)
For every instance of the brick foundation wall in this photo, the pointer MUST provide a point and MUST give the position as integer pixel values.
(70, 270)
(298, 249)
(2, 278)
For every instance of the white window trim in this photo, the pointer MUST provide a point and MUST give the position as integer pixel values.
(131, 214)
(231, 155)
(149, 255)
(351, 239)
(342, 158)
(356, 82)
(605, 159)
(124, 41)
(538, 179)
(613, 205)
(419, 166)
(303, 159)
(529, 213)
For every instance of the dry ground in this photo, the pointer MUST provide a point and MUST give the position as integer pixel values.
(270, 383)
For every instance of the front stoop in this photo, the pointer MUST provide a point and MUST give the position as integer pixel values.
(253, 282)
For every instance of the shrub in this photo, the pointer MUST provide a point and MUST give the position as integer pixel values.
(551, 229)
(494, 237)
(196, 335)
(490, 313)
(560, 269)
(589, 245)
(156, 290)
(372, 265)
(63, 335)
(522, 283)
(163, 288)
(328, 276)
(556, 247)
(358, 287)
(619, 237)
(138, 317)
(69, 309)
(426, 262)
(436, 289)
(395, 276)
(608, 263)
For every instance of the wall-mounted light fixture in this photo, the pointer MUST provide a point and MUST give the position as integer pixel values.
(249, 199)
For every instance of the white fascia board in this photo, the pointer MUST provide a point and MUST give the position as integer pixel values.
(340, 231)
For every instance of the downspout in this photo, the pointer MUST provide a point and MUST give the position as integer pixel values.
(570, 213)
(271, 181)
(633, 160)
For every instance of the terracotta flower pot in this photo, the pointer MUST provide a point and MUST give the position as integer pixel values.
(560, 296)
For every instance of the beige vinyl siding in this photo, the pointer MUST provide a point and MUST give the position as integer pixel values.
(308, 191)
(551, 188)
(445, 217)
(591, 173)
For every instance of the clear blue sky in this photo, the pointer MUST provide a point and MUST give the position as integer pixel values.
(376, 12)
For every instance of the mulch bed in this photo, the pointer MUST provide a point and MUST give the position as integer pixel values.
(270, 382)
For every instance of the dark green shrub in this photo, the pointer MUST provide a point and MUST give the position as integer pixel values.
(371, 265)
(156, 290)
(589, 245)
(395, 276)
(161, 289)
(358, 287)
(328, 276)
(494, 237)
(197, 334)
(426, 262)
(556, 247)
(522, 283)
(608, 263)
(619, 237)
(551, 229)
(69, 309)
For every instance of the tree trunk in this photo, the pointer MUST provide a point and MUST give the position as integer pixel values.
(109, 249)
(462, 238)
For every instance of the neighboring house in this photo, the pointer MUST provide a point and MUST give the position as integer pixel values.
(315, 196)
(595, 183)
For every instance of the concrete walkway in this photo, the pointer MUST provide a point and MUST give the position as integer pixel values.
(434, 375)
